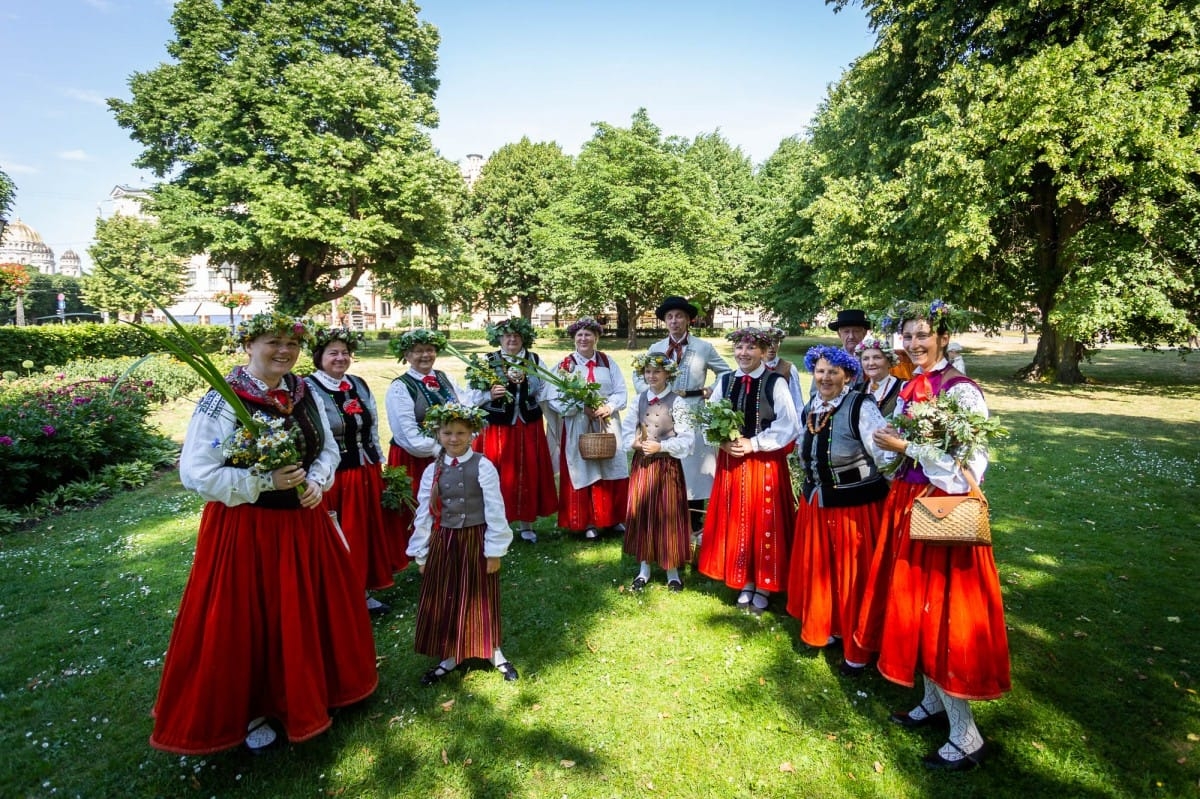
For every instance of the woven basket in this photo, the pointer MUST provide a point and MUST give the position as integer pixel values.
(597, 446)
(955, 519)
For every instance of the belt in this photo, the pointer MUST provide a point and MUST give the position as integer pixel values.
(695, 392)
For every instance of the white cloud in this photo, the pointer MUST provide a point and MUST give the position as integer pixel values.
(10, 168)
(85, 96)
(74, 155)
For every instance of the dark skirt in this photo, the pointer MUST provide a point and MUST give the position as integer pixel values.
(657, 527)
(458, 615)
(522, 457)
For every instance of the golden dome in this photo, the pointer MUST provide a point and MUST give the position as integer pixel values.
(17, 232)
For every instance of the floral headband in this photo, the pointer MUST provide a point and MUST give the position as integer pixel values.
(434, 338)
(941, 315)
(755, 335)
(655, 360)
(872, 343)
(327, 335)
(274, 323)
(586, 323)
(777, 333)
(438, 416)
(514, 325)
(835, 355)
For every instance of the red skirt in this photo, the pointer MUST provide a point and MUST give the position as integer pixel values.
(602, 504)
(458, 614)
(355, 495)
(522, 457)
(272, 623)
(831, 555)
(401, 521)
(897, 506)
(657, 526)
(943, 613)
(749, 521)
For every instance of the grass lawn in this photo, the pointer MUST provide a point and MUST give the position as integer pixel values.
(1097, 528)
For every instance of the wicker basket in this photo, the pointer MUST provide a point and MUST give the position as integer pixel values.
(596, 445)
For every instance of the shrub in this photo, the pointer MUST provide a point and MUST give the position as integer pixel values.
(54, 432)
(163, 377)
(59, 344)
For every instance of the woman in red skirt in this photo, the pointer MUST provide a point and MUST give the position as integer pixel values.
(355, 495)
(659, 431)
(409, 398)
(515, 437)
(458, 539)
(751, 510)
(934, 609)
(272, 631)
(838, 514)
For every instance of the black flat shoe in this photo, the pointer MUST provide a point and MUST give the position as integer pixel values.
(909, 723)
(509, 671)
(935, 761)
(846, 670)
(379, 609)
(435, 674)
(638, 583)
(674, 585)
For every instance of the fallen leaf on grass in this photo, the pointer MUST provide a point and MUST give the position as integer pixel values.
(788, 767)
(830, 736)
(535, 706)
(567, 763)
(1173, 619)
(1080, 634)
(445, 758)
(878, 767)
(1191, 736)
(1041, 747)
(446, 706)
(762, 681)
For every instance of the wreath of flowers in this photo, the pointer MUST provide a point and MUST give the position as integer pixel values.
(351, 338)
(275, 323)
(941, 315)
(872, 343)
(233, 299)
(439, 415)
(401, 346)
(755, 335)
(835, 355)
(585, 323)
(778, 334)
(516, 325)
(655, 360)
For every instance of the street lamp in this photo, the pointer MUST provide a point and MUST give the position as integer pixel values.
(230, 272)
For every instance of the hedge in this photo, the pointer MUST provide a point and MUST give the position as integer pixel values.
(60, 344)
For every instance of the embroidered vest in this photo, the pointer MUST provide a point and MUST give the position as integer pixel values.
(656, 421)
(352, 431)
(460, 496)
(757, 405)
(524, 392)
(836, 465)
(423, 396)
(910, 471)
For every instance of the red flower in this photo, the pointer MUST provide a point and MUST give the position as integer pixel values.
(352, 406)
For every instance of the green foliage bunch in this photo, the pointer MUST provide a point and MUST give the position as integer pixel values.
(59, 344)
(54, 431)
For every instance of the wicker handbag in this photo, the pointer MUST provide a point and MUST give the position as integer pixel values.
(953, 519)
(597, 446)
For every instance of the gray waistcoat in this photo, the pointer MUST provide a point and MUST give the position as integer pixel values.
(460, 495)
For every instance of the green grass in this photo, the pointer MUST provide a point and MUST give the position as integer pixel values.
(1094, 501)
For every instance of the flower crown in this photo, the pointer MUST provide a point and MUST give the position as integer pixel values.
(755, 335)
(777, 333)
(400, 346)
(327, 335)
(274, 323)
(514, 325)
(439, 415)
(585, 323)
(872, 343)
(655, 360)
(941, 315)
(835, 355)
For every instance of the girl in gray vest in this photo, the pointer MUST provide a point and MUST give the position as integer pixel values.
(659, 431)
(459, 535)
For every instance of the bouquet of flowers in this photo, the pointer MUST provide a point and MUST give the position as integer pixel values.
(720, 421)
(264, 446)
(397, 489)
(480, 374)
(947, 424)
(574, 387)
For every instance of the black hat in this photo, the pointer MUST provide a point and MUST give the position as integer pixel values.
(676, 304)
(854, 318)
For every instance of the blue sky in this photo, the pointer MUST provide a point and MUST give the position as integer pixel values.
(756, 70)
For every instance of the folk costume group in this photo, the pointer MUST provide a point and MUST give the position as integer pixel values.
(274, 631)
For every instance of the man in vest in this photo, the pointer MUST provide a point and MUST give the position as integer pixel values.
(695, 358)
(852, 327)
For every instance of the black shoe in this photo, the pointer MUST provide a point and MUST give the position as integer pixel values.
(435, 674)
(935, 761)
(379, 609)
(846, 670)
(674, 585)
(509, 671)
(909, 723)
(638, 583)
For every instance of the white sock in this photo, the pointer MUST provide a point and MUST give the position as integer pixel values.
(761, 599)
(931, 702)
(673, 574)
(498, 657)
(747, 593)
(963, 732)
(372, 602)
(449, 664)
(261, 735)
(644, 572)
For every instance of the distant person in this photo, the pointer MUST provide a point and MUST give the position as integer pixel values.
(954, 355)
(784, 367)
(851, 326)
(878, 361)
(459, 536)
(695, 359)
(658, 429)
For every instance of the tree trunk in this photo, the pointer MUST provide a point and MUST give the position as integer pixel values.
(1056, 360)
(431, 309)
(526, 305)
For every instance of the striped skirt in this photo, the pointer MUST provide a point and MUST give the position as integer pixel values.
(749, 521)
(458, 614)
(657, 528)
(522, 457)
(831, 555)
(400, 522)
(355, 496)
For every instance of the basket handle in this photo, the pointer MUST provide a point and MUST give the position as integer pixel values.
(975, 491)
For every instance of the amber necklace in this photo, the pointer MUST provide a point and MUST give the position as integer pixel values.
(821, 424)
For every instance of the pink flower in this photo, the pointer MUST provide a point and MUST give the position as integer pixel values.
(6, 441)
(48, 430)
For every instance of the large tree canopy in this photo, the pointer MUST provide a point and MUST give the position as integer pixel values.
(638, 221)
(134, 265)
(292, 136)
(1015, 157)
(518, 182)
